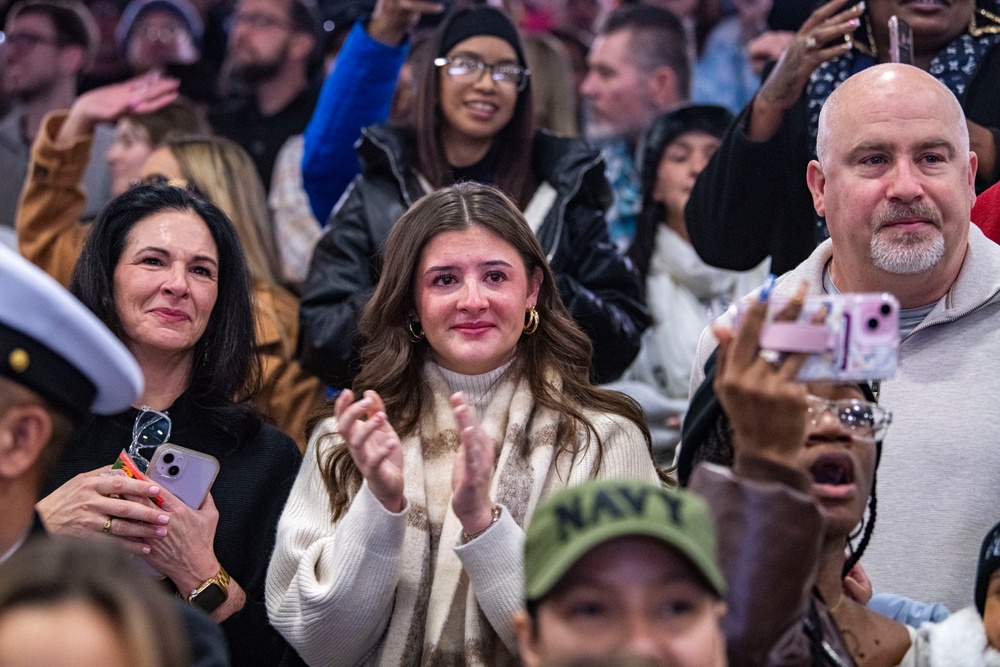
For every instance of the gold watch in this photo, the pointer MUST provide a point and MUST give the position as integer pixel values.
(211, 594)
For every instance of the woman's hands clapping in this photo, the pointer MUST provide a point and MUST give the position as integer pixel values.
(373, 445)
(377, 452)
(473, 470)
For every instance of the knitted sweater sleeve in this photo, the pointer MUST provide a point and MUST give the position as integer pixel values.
(494, 562)
(330, 586)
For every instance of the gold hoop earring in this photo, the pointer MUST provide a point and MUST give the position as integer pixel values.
(416, 332)
(530, 321)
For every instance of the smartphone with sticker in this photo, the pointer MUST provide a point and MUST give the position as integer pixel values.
(848, 337)
(186, 473)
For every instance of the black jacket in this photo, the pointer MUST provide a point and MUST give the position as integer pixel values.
(258, 467)
(598, 286)
(752, 200)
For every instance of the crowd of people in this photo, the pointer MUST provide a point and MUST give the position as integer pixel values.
(472, 307)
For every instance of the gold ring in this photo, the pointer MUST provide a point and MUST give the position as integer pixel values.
(811, 42)
(107, 526)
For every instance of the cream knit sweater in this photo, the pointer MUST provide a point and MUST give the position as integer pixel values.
(357, 591)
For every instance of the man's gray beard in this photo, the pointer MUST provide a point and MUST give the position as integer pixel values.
(913, 253)
(595, 129)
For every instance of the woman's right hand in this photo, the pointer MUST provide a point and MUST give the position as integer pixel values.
(82, 507)
(373, 445)
(806, 51)
(142, 94)
(765, 405)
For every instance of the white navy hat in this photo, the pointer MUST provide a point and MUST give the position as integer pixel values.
(52, 344)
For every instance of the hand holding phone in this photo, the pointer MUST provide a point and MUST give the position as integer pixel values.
(186, 473)
(849, 337)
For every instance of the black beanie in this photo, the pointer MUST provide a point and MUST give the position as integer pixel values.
(482, 20)
(989, 562)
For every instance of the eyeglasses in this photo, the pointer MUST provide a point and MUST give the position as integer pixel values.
(150, 430)
(24, 41)
(159, 33)
(864, 419)
(468, 70)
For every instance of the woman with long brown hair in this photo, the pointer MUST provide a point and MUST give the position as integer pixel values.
(472, 371)
(473, 121)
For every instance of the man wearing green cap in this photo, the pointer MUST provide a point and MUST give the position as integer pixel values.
(622, 571)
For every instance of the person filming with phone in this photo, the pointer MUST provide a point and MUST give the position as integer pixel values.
(163, 269)
(895, 180)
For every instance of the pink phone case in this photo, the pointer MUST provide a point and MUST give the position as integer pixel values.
(186, 473)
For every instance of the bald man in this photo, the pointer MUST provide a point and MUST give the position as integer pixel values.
(895, 180)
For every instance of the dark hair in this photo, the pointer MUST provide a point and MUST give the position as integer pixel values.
(657, 38)
(512, 145)
(707, 118)
(50, 571)
(304, 17)
(226, 370)
(73, 22)
(392, 364)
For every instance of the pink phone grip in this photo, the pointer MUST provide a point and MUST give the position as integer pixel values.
(797, 337)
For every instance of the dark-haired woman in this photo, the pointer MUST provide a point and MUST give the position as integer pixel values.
(682, 292)
(164, 271)
(473, 122)
(402, 540)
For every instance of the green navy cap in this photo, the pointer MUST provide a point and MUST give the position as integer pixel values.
(52, 344)
(574, 520)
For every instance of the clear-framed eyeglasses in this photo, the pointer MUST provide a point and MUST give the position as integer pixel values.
(864, 419)
(150, 430)
(464, 69)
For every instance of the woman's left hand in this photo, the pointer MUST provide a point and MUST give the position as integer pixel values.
(187, 553)
(470, 478)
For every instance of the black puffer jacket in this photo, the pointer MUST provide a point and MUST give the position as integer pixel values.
(597, 285)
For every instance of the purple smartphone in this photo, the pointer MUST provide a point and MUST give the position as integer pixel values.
(186, 473)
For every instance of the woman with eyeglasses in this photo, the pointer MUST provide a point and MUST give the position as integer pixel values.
(51, 236)
(473, 122)
(164, 269)
(401, 543)
(797, 508)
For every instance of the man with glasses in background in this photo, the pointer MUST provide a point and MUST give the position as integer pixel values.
(895, 178)
(272, 44)
(47, 44)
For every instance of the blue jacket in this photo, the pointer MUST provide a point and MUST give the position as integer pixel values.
(357, 93)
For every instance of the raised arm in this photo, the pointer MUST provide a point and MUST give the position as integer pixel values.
(49, 232)
(357, 93)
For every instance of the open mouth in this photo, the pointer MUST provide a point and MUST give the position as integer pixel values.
(832, 470)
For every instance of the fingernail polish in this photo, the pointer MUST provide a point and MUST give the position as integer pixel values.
(163, 518)
(154, 490)
(854, 23)
(160, 532)
(146, 550)
(765, 289)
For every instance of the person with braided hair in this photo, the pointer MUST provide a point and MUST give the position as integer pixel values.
(800, 489)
